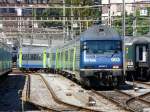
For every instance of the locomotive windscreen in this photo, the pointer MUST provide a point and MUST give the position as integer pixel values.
(102, 47)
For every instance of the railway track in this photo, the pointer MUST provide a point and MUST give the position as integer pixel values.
(76, 107)
(137, 104)
(71, 107)
(28, 97)
(144, 83)
(145, 97)
(124, 100)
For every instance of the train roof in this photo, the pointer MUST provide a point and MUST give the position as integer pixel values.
(4, 45)
(100, 32)
(96, 32)
(138, 39)
(148, 34)
(33, 49)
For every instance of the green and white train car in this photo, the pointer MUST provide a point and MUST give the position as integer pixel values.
(65, 59)
(5, 59)
(138, 58)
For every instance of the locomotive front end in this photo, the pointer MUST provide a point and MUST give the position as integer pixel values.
(101, 59)
(102, 55)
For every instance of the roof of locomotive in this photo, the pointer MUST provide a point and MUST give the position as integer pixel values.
(100, 32)
(96, 32)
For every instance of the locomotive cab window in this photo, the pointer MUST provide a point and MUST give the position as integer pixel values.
(102, 47)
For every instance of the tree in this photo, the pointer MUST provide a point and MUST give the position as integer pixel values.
(142, 23)
(85, 12)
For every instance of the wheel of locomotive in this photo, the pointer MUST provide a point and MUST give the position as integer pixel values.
(84, 83)
(148, 75)
(130, 76)
(115, 82)
(73, 77)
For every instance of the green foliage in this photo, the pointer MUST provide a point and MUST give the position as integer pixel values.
(142, 23)
(84, 12)
(52, 12)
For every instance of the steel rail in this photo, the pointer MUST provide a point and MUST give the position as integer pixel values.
(28, 97)
(28, 87)
(127, 102)
(131, 100)
(143, 95)
(114, 101)
(136, 97)
(144, 83)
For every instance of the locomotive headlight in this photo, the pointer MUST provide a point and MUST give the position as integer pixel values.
(115, 67)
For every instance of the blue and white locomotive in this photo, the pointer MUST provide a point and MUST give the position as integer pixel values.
(95, 58)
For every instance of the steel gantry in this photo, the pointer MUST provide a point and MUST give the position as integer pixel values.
(29, 26)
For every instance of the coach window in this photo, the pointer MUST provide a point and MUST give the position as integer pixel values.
(62, 55)
(32, 56)
(23, 56)
(71, 57)
(66, 55)
(39, 56)
(47, 54)
(29, 57)
(53, 56)
(36, 57)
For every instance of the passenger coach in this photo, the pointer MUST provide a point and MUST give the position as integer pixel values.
(138, 58)
(32, 58)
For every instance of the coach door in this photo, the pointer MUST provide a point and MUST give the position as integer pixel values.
(141, 53)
